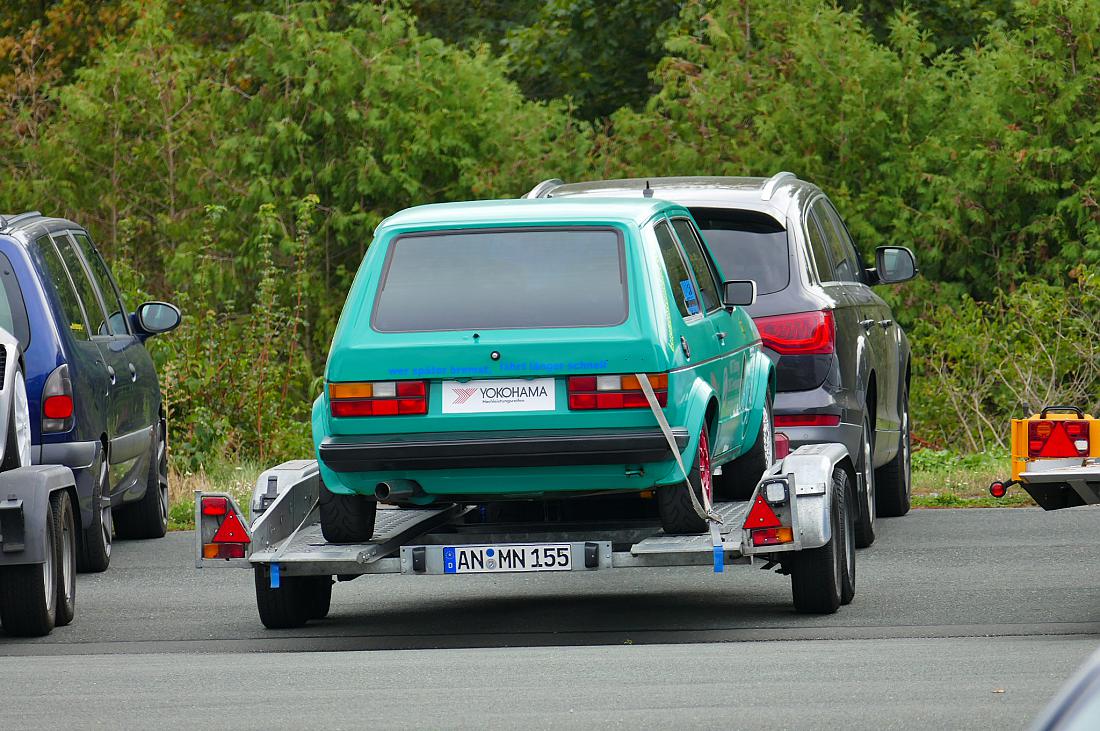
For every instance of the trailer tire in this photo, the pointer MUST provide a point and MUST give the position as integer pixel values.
(893, 480)
(847, 523)
(740, 477)
(817, 574)
(28, 592)
(318, 595)
(286, 607)
(674, 504)
(62, 505)
(346, 518)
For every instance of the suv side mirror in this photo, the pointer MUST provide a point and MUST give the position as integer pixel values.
(154, 318)
(738, 293)
(894, 264)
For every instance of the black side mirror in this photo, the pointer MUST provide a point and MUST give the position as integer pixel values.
(894, 264)
(155, 318)
(738, 293)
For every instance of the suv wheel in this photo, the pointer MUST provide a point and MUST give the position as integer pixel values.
(894, 479)
(740, 477)
(865, 526)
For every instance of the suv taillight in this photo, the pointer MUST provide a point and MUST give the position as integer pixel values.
(378, 398)
(615, 392)
(1058, 438)
(57, 401)
(803, 333)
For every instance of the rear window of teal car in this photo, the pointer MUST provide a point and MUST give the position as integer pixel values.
(503, 279)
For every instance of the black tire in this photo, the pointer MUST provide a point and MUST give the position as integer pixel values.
(283, 608)
(817, 575)
(674, 504)
(346, 518)
(62, 505)
(318, 595)
(28, 593)
(148, 517)
(97, 538)
(848, 533)
(893, 481)
(865, 524)
(740, 477)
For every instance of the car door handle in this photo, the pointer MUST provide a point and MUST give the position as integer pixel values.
(867, 324)
(133, 373)
(111, 373)
(886, 323)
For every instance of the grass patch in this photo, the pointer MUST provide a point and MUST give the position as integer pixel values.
(237, 479)
(946, 479)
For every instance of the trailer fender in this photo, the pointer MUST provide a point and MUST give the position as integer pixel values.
(808, 473)
(277, 480)
(25, 508)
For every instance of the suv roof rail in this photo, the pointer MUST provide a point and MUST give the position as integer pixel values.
(8, 223)
(773, 183)
(543, 189)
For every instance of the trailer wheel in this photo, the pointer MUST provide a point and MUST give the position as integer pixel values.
(678, 516)
(62, 504)
(346, 518)
(818, 574)
(28, 592)
(848, 575)
(740, 477)
(892, 480)
(286, 607)
(318, 595)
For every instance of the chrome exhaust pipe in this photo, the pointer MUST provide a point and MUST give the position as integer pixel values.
(397, 490)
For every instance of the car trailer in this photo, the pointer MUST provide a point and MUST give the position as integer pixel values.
(799, 518)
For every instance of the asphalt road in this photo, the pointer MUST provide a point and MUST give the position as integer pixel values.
(952, 608)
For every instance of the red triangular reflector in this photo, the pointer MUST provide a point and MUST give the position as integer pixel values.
(231, 531)
(1058, 444)
(762, 516)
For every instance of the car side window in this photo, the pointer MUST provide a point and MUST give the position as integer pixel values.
(700, 262)
(85, 290)
(850, 253)
(63, 288)
(845, 268)
(116, 311)
(683, 288)
(820, 249)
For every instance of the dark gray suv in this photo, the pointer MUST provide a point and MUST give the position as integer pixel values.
(842, 362)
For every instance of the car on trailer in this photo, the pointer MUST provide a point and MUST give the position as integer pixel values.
(842, 361)
(519, 350)
(95, 402)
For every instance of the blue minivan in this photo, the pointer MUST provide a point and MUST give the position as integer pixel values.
(95, 403)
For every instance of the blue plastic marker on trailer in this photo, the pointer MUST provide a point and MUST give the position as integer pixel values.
(274, 576)
(719, 559)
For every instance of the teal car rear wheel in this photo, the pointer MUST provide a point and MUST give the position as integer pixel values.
(674, 504)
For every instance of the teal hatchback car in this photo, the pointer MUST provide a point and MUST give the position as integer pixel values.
(499, 350)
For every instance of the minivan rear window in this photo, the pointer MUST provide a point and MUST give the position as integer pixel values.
(747, 245)
(500, 279)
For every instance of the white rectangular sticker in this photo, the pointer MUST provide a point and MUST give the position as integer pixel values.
(502, 394)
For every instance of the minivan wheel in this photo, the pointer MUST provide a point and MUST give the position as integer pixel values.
(97, 538)
(893, 481)
(865, 525)
(346, 518)
(674, 504)
(148, 517)
(740, 477)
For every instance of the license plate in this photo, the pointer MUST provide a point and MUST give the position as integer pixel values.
(501, 394)
(507, 558)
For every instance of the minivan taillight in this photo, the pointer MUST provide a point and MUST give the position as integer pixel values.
(378, 398)
(57, 401)
(1058, 438)
(615, 392)
(802, 333)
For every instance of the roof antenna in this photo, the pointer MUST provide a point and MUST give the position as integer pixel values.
(647, 192)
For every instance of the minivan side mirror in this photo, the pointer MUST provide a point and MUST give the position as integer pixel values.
(738, 293)
(894, 264)
(155, 318)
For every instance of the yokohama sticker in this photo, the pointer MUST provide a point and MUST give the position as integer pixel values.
(511, 394)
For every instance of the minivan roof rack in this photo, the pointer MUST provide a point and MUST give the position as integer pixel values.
(543, 189)
(774, 182)
(10, 222)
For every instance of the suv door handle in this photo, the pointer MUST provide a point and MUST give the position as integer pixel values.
(111, 373)
(886, 323)
(133, 373)
(867, 324)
